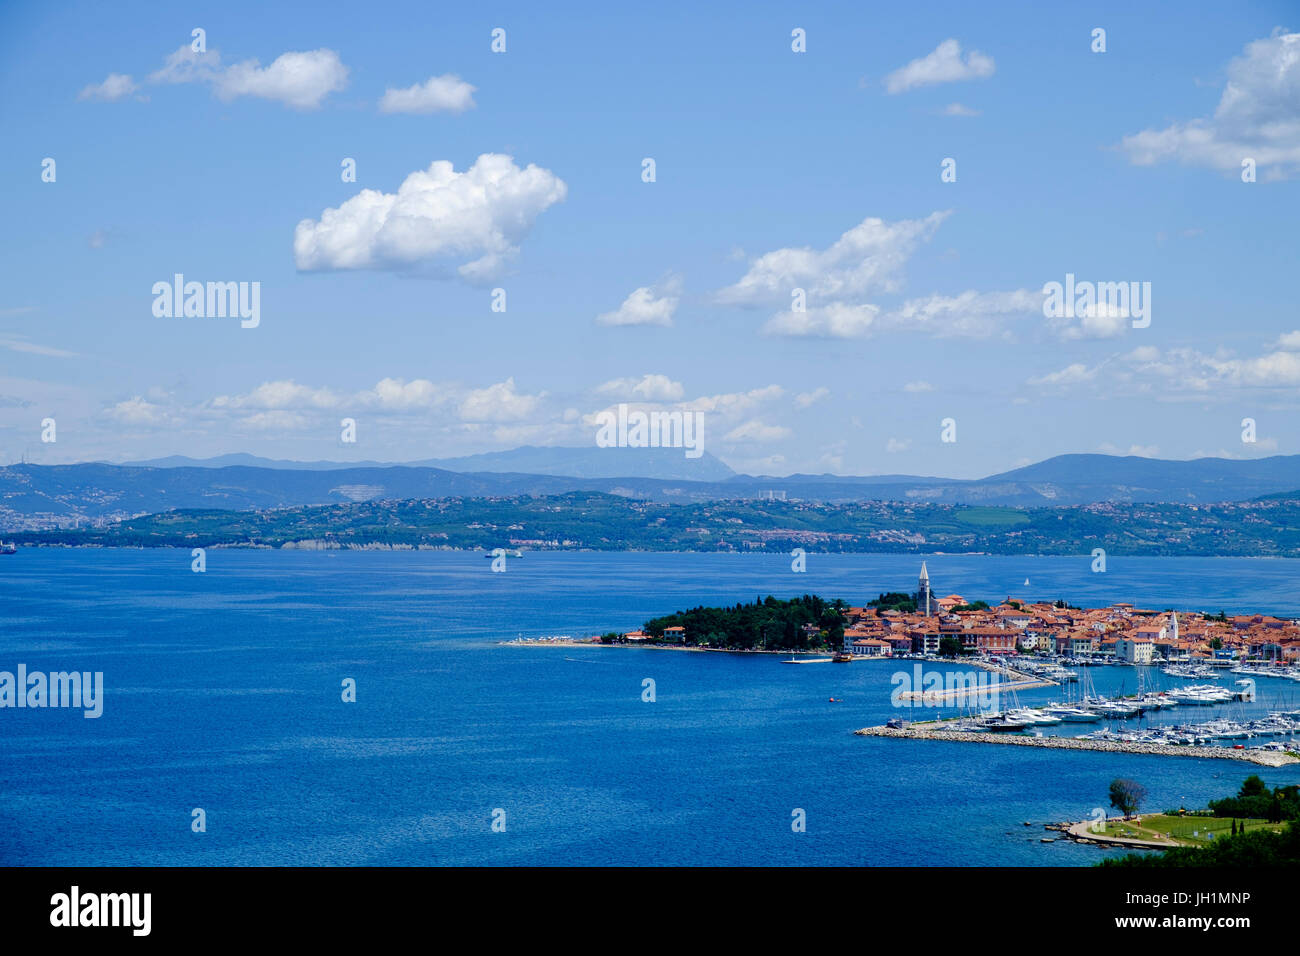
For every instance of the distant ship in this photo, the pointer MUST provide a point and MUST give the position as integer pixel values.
(506, 553)
(9, 548)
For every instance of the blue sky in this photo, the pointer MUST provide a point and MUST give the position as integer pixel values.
(774, 170)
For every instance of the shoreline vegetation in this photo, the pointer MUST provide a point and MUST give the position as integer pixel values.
(597, 521)
(574, 643)
(1256, 827)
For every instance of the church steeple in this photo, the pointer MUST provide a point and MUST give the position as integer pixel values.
(924, 596)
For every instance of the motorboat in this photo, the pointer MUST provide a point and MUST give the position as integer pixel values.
(1073, 715)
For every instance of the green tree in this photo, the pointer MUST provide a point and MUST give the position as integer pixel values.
(894, 600)
(1257, 848)
(1126, 796)
(1253, 786)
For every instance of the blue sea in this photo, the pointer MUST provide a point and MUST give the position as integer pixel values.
(223, 692)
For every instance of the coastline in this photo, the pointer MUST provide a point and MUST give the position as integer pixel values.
(533, 642)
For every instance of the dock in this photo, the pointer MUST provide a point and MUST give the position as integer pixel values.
(968, 691)
(1265, 758)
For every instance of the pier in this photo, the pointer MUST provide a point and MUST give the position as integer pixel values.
(969, 691)
(1265, 758)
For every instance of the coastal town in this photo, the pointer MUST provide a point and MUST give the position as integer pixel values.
(1117, 632)
(1019, 646)
(928, 624)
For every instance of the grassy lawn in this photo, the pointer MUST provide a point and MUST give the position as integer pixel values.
(1187, 830)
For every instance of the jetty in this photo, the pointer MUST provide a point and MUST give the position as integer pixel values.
(1265, 758)
(968, 690)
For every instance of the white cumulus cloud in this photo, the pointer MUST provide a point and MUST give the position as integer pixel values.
(300, 80)
(646, 306)
(437, 216)
(1258, 117)
(501, 402)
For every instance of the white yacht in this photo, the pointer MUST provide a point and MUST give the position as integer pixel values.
(1073, 715)
(1031, 716)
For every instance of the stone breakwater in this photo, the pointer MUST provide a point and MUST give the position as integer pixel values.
(1265, 758)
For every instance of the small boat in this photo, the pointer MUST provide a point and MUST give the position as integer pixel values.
(8, 547)
(835, 700)
(841, 658)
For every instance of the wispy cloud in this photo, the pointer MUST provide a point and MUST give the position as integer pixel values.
(298, 79)
(942, 65)
(438, 94)
(867, 258)
(115, 87)
(648, 388)
(1179, 373)
(14, 344)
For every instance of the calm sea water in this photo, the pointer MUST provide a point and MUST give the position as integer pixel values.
(223, 692)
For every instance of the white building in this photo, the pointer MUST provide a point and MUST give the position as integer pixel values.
(1135, 650)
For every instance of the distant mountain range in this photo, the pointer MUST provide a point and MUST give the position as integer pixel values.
(44, 496)
(593, 521)
(586, 462)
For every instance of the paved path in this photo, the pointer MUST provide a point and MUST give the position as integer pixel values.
(1084, 833)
